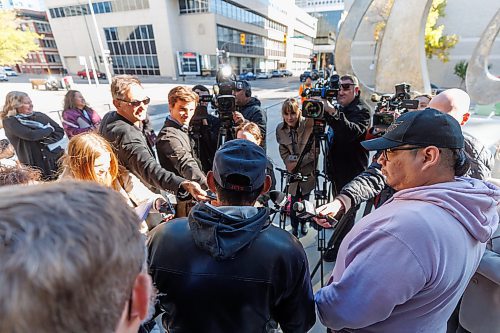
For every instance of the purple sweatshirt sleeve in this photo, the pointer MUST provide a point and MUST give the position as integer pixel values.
(370, 287)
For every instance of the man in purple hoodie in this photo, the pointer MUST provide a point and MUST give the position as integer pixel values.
(404, 267)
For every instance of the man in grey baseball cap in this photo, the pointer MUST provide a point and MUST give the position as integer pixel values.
(226, 268)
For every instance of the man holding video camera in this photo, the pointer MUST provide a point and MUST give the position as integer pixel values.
(249, 108)
(227, 268)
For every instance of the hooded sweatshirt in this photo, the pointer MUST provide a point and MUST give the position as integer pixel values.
(404, 267)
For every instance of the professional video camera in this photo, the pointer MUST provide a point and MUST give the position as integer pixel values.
(328, 90)
(225, 102)
(389, 107)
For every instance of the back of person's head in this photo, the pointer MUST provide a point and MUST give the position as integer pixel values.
(249, 131)
(69, 99)
(200, 87)
(13, 101)
(81, 154)
(19, 175)
(181, 93)
(120, 85)
(239, 173)
(454, 102)
(71, 259)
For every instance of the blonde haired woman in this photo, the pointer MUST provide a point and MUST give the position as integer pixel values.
(90, 157)
(35, 136)
(292, 135)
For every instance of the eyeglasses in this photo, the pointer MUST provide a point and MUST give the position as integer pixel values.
(136, 103)
(390, 150)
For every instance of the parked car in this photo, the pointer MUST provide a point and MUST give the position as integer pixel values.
(304, 75)
(247, 76)
(286, 72)
(3, 75)
(435, 89)
(264, 75)
(276, 73)
(82, 74)
(9, 71)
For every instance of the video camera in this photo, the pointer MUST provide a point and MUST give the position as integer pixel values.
(389, 107)
(225, 102)
(328, 90)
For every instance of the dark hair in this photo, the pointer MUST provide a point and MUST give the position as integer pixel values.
(237, 198)
(457, 159)
(200, 87)
(18, 175)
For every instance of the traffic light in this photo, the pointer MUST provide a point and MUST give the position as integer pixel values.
(284, 38)
(242, 39)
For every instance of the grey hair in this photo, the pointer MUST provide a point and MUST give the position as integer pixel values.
(69, 255)
(13, 101)
(121, 84)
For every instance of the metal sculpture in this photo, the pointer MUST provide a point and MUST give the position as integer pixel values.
(482, 86)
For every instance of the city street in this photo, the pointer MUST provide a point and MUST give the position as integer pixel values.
(270, 91)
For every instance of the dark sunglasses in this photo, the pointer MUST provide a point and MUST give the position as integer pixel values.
(385, 151)
(136, 103)
(346, 86)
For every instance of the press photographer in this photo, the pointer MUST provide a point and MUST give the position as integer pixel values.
(204, 129)
(348, 122)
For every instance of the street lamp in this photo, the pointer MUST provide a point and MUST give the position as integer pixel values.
(99, 40)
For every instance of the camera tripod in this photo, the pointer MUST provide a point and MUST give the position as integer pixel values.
(226, 132)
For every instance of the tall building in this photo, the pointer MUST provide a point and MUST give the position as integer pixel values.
(328, 13)
(22, 4)
(184, 37)
(46, 60)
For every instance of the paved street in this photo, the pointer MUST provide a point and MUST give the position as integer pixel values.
(271, 92)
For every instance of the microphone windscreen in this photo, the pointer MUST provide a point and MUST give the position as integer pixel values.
(298, 207)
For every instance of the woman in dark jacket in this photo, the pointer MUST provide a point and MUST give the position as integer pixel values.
(77, 116)
(35, 136)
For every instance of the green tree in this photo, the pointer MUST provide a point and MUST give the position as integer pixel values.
(15, 43)
(460, 70)
(436, 43)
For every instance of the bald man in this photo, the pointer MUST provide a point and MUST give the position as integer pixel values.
(371, 183)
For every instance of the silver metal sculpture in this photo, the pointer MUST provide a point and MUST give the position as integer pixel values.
(481, 85)
(402, 51)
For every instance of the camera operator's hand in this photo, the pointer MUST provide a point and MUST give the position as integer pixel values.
(238, 118)
(332, 209)
(329, 107)
(195, 190)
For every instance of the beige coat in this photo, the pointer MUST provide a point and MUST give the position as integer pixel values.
(290, 152)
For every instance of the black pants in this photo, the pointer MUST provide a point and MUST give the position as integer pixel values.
(294, 221)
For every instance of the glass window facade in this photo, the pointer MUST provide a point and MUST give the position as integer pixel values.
(133, 50)
(229, 40)
(230, 10)
(99, 8)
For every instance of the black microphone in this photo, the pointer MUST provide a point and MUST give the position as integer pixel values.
(305, 210)
(278, 198)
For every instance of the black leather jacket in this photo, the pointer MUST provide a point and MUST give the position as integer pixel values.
(346, 157)
(229, 270)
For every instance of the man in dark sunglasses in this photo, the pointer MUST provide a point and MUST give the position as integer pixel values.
(124, 129)
(405, 266)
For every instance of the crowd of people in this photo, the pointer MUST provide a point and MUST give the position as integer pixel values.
(87, 243)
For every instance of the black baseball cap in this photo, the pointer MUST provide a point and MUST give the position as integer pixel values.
(429, 127)
(244, 159)
(243, 85)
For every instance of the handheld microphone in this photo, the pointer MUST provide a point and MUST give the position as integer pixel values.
(278, 198)
(306, 210)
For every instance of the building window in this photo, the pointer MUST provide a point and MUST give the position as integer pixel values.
(133, 50)
(101, 7)
(53, 58)
(228, 39)
(43, 27)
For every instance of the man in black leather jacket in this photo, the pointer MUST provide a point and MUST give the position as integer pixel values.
(226, 268)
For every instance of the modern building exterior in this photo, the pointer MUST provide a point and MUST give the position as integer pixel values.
(184, 37)
(47, 59)
(328, 13)
(22, 4)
